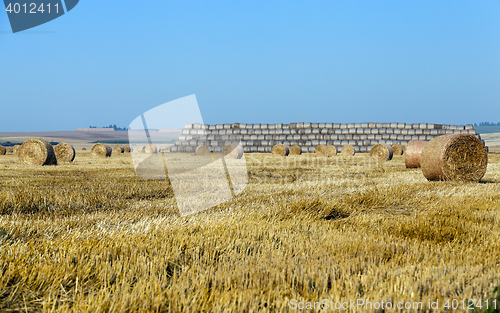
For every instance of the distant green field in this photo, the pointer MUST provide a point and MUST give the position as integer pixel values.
(487, 129)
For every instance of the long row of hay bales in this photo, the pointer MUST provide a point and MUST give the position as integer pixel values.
(38, 151)
(261, 138)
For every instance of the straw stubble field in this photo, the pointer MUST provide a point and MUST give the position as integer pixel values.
(91, 236)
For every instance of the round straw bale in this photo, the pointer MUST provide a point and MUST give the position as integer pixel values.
(150, 149)
(330, 150)
(9, 149)
(84, 149)
(280, 150)
(295, 150)
(459, 157)
(126, 149)
(413, 153)
(202, 150)
(64, 152)
(3, 151)
(320, 149)
(397, 149)
(232, 151)
(347, 150)
(15, 148)
(37, 151)
(381, 152)
(100, 150)
(118, 150)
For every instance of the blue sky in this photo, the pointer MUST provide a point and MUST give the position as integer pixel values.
(255, 61)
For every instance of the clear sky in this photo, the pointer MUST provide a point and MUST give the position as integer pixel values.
(106, 62)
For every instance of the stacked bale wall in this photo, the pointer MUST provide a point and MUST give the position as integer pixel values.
(261, 138)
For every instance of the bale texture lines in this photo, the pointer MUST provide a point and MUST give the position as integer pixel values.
(457, 157)
(295, 150)
(118, 150)
(397, 149)
(413, 153)
(347, 150)
(232, 151)
(36, 151)
(330, 151)
(320, 149)
(381, 152)
(100, 150)
(202, 150)
(64, 152)
(280, 150)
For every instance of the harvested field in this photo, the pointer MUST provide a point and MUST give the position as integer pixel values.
(94, 237)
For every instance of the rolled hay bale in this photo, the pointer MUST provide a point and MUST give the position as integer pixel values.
(232, 151)
(295, 150)
(15, 148)
(459, 157)
(127, 149)
(36, 151)
(413, 153)
(202, 150)
(330, 151)
(150, 149)
(100, 150)
(118, 150)
(9, 149)
(280, 150)
(347, 150)
(320, 149)
(381, 152)
(397, 149)
(141, 149)
(64, 152)
(3, 151)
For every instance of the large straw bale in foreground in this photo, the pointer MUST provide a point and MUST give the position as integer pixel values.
(413, 153)
(3, 151)
(347, 150)
(280, 150)
(459, 157)
(36, 151)
(100, 150)
(381, 152)
(64, 152)
(295, 150)
(232, 151)
(330, 150)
